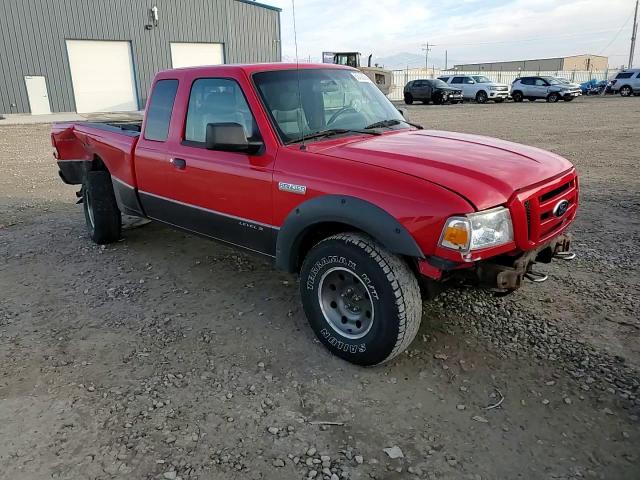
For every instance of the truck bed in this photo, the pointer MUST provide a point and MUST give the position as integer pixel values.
(79, 146)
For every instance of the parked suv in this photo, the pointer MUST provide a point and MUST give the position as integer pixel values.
(435, 91)
(627, 83)
(478, 87)
(548, 88)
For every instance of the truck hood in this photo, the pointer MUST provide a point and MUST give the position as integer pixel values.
(486, 171)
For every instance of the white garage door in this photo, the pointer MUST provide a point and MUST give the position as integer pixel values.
(102, 75)
(196, 54)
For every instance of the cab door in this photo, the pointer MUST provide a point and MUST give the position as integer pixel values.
(540, 88)
(224, 195)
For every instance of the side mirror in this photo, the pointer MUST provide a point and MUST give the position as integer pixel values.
(402, 112)
(230, 137)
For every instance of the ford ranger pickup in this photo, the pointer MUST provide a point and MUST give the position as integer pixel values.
(314, 167)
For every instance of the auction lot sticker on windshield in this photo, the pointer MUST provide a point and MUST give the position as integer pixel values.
(361, 77)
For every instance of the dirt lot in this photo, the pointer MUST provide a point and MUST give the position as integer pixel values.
(166, 356)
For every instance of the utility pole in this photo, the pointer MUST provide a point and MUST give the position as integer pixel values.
(633, 36)
(445, 59)
(426, 49)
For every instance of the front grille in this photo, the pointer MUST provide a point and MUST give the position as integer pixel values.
(539, 207)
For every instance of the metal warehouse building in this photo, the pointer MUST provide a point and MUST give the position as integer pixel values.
(101, 55)
(575, 62)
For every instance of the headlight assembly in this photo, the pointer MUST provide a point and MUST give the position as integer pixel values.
(479, 230)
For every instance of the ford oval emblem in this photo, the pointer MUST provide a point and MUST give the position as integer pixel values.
(561, 208)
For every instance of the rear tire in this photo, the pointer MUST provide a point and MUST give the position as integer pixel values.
(363, 303)
(104, 221)
(517, 96)
(626, 91)
(408, 98)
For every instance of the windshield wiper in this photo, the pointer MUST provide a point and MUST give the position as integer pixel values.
(330, 132)
(391, 122)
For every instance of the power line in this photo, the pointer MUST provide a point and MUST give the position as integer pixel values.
(617, 34)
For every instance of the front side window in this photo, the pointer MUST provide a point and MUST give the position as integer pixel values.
(217, 100)
(159, 110)
(540, 83)
(468, 80)
(481, 79)
(309, 101)
(551, 80)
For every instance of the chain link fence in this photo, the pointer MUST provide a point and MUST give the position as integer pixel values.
(401, 77)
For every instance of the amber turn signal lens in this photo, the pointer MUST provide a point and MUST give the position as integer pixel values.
(456, 235)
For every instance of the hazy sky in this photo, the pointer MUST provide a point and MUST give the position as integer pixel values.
(471, 30)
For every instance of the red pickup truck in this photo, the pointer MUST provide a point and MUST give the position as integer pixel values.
(316, 168)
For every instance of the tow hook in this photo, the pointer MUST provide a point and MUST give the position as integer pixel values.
(565, 255)
(536, 276)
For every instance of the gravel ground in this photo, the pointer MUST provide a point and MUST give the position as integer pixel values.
(165, 356)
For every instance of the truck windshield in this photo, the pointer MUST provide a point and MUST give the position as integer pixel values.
(306, 102)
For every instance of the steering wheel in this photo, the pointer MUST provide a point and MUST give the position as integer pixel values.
(342, 111)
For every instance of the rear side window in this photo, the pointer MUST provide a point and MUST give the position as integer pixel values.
(457, 80)
(159, 110)
(624, 75)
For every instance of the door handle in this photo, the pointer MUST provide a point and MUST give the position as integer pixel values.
(179, 163)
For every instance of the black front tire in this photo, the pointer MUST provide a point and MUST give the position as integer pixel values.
(104, 221)
(553, 98)
(388, 286)
(408, 98)
(481, 97)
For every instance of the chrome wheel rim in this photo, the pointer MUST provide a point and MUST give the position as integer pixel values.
(87, 199)
(346, 303)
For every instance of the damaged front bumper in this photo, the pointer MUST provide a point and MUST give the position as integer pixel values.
(508, 273)
(504, 273)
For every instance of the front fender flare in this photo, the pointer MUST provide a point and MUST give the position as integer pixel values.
(359, 214)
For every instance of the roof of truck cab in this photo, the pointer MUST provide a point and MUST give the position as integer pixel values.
(251, 68)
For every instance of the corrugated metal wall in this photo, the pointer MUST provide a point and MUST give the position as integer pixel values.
(33, 34)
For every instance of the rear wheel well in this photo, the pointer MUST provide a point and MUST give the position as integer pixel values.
(97, 165)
